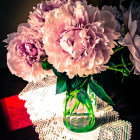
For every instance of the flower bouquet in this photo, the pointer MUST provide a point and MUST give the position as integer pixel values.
(75, 41)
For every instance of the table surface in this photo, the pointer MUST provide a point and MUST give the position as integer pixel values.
(46, 110)
(124, 95)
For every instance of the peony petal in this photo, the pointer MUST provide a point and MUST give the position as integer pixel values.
(137, 41)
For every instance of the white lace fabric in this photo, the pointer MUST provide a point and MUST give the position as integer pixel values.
(46, 113)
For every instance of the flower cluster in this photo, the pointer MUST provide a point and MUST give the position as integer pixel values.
(76, 38)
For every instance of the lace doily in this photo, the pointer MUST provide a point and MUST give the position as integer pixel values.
(46, 111)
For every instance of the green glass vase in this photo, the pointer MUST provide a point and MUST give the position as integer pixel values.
(78, 116)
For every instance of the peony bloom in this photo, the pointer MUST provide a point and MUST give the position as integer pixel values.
(78, 38)
(25, 53)
(117, 14)
(132, 38)
(37, 17)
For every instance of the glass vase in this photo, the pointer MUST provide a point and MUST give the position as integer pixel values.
(78, 116)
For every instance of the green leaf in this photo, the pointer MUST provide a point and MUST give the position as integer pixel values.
(61, 85)
(93, 95)
(83, 97)
(74, 83)
(74, 93)
(58, 74)
(46, 65)
(99, 91)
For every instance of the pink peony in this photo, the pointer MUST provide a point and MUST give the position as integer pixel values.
(37, 17)
(25, 53)
(78, 38)
(132, 38)
(117, 14)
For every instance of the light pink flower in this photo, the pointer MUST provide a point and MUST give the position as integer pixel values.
(25, 53)
(132, 37)
(78, 38)
(37, 17)
(117, 14)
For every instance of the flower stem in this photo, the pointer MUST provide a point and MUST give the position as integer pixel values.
(118, 49)
(92, 118)
(88, 110)
(121, 65)
(78, 103)
(95, 101)
(111, 68)
(65, 112)
(68, 111)
(73, 107)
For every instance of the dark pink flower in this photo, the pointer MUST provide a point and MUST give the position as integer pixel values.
(25, 53)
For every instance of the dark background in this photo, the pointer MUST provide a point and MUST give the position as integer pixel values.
(125, 95)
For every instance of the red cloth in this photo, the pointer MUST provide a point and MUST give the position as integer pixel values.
(15, 112)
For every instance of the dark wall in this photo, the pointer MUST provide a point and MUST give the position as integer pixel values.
(12, 13)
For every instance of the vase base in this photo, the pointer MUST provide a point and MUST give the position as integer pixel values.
(79, 123)
(81, 130)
